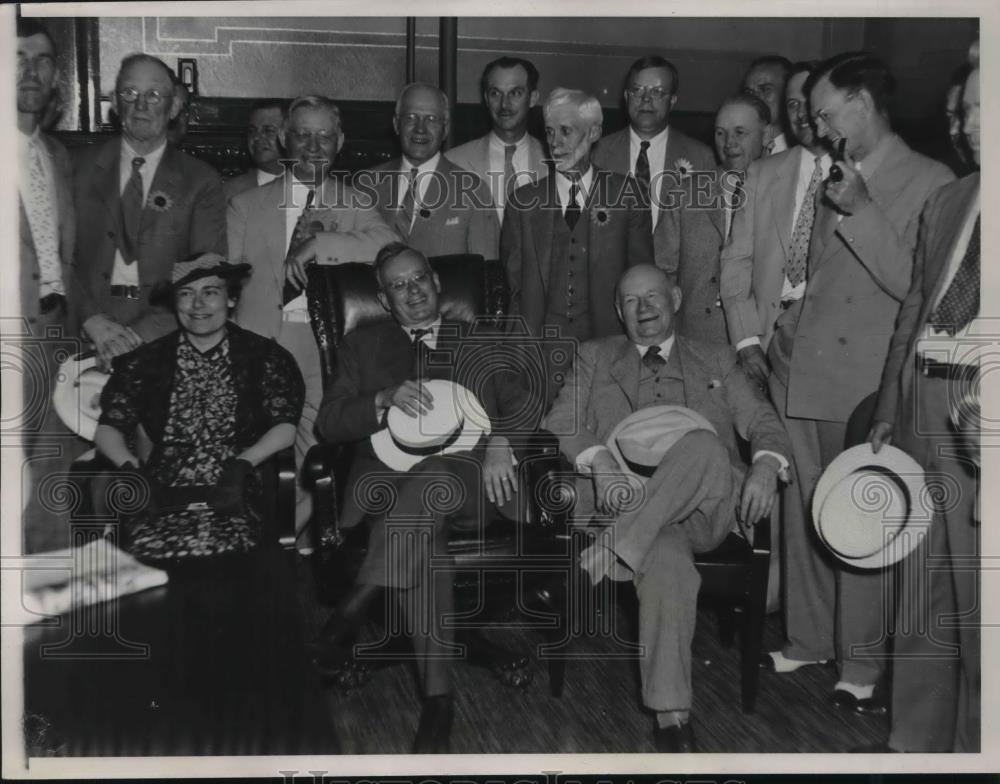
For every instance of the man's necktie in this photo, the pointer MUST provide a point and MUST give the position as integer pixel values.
(653, 359)
(960, 303)
(41, 213)
(573, 211)
(299, 234)
(509, 180)
(421, 349)
(404, 220)
(798, 256)
(642, 170)
(132, 212)
(735, 200)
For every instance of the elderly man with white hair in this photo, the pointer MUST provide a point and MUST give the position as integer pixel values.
(433, 205)
(567, 239)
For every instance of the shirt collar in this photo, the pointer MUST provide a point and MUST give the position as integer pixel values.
(152, 158)
(499, 144)
(869, 165)
(656, 141)
(563, 185)
(434, 327)
(665, 347)
(429, 165)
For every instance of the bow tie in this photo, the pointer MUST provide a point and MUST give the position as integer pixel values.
(418, 334)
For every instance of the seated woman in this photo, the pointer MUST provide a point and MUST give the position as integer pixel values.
(214, 401)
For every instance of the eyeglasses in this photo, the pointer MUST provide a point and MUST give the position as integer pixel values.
(153, 97)
(411, 120)
(655, 93)
(305, 138)
(402, 284)
(39, 63)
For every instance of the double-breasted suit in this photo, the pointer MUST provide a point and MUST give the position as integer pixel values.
(826, 356)
(935, 693)
(184, 215)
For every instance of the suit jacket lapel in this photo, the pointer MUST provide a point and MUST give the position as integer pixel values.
(276, 232)
(625, 371)
(783, 204)
(106, 183)
(544, 220)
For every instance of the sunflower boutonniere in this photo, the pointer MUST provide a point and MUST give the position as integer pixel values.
(600, 217)
(159, 201)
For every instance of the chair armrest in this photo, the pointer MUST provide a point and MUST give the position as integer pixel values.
(762, 536)
(550, 494)
(284, 465)
(319, 474)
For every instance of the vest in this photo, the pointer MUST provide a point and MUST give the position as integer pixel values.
(569, 276)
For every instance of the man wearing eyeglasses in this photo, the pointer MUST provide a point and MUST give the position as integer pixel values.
(658, 155)
(303, 217)
(435, 206)
(508, 156)
(142, 205)
(267, 117)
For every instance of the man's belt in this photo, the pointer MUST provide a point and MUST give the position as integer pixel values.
(126, 292)
(932, 368)
(51, 302)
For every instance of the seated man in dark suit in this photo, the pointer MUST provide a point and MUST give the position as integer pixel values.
(385, 366)
(695, 496)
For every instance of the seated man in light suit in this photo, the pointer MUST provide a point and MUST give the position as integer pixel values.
(695, 496)
(435, 206)
(303, 217)
(508, 156)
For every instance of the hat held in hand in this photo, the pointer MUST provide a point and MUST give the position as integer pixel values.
(640, 441)
(456, 422)
(871, 510)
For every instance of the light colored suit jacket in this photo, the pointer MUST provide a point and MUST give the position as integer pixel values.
(603, 388)
(691, 235)
(753, 261)
(859, 273)
(28, 271)
(458, 218)
(474, 156)
(619, 240)
(192, 221)
(240, 183)
(256, 226)
(612, 153)
(941, 225)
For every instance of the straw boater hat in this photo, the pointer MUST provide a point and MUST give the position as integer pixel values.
(871, 509)
(455, 423)
(641, 440)
(77, 394)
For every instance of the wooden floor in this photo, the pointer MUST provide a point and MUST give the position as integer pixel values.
(599, 711)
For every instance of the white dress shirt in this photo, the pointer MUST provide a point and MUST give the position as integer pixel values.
(657, 154)
(423, 180)
(968, 345)
(563, 184)
(521, 163)
(263, 177)
(123, 274)
(778, 144)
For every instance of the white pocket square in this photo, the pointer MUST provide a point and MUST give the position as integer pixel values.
(451, 221)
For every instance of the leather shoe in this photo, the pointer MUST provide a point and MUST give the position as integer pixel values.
(676, 739)
(434, 731)
(783, 666)
(867, 706)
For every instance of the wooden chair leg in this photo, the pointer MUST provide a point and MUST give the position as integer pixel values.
(753, 630)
